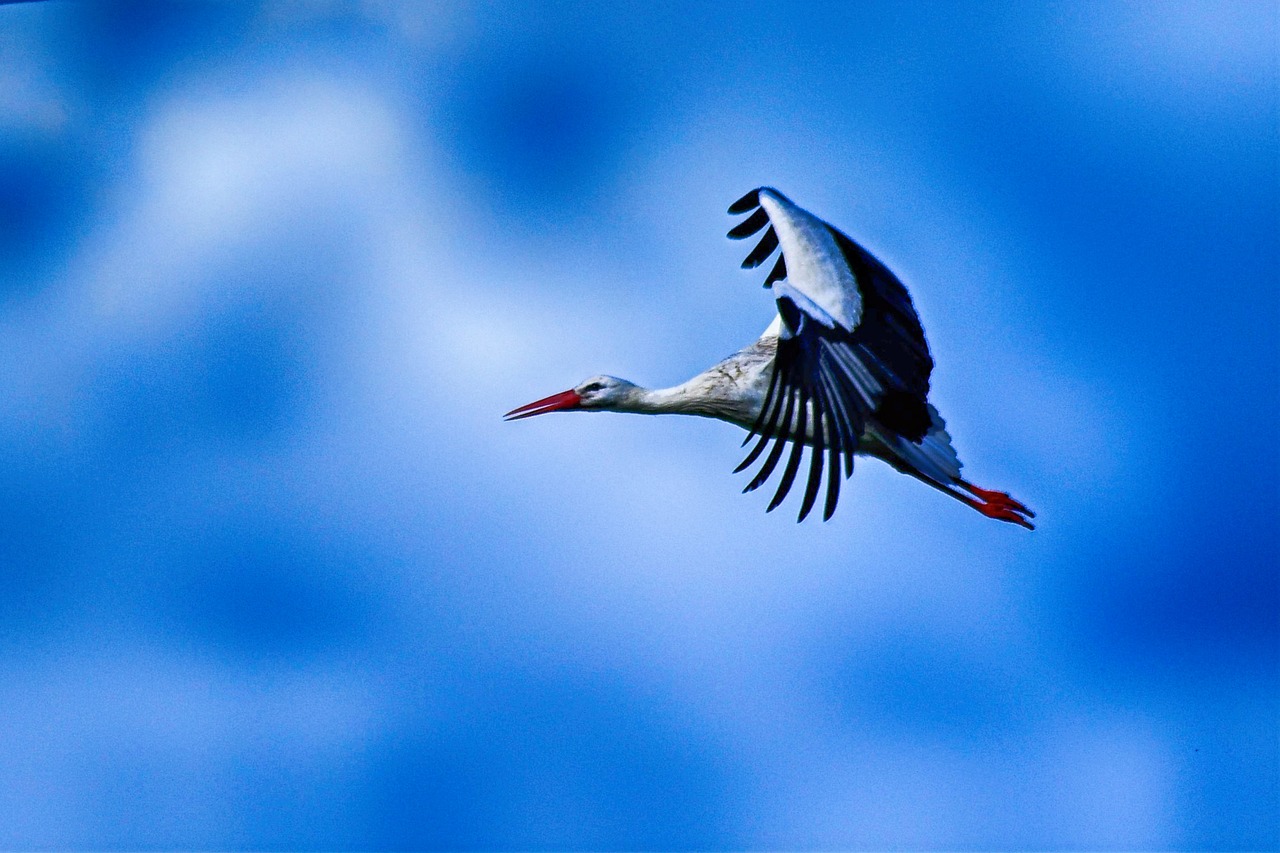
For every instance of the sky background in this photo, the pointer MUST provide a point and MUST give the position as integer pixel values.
(274, 573)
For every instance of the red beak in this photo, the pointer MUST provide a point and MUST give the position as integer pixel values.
(555, 403)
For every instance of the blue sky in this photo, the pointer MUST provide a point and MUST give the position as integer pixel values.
(275, 574)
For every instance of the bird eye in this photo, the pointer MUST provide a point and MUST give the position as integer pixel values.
(592, 387)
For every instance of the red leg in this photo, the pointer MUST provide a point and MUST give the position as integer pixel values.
(997, 505)
(990, 496)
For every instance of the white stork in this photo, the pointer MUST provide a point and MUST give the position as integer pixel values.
(843, 369)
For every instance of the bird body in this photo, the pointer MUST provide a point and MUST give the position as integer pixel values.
(842, 370)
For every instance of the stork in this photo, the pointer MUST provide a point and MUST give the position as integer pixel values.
(843, 369)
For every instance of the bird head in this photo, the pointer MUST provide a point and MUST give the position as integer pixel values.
(601, 393)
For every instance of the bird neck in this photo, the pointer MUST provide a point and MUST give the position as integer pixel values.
(657, 401)
(698, 396)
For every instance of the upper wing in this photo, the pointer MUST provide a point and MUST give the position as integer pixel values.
(850, 348)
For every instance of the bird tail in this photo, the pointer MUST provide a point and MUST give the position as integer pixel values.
(934, 461)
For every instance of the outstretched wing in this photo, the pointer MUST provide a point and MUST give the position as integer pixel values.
(850, 349)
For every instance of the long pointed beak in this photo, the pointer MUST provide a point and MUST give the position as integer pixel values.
(554, 403)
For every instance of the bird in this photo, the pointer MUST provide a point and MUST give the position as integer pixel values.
(842, 370)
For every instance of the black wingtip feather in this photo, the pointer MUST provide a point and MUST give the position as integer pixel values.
(778, 273)
(839, 433)
(749, 226)
(747, 202)
(762, 251)
(833, 482)
(797, 448)
(770, 462)
(753, 455)
(766, 425)
(778, 444)
(815, 456)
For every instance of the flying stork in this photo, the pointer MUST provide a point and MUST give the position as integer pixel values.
(843, 369)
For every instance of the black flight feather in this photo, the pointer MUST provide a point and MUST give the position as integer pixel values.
(833, 481)
(780, 440)
(763, 250)
(747, 202)
(778, 272)
(771, 402)
(749, 226)
(797, 449)
(815, 458)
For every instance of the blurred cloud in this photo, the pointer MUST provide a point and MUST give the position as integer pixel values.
(546, 127)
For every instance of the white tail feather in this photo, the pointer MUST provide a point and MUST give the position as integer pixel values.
(932, 458)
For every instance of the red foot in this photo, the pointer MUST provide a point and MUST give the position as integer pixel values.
(997, 505)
